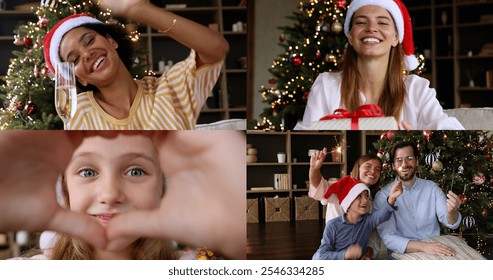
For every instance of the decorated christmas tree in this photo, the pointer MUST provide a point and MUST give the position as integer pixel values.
(314, 44)
(29, 85)
(455, 160)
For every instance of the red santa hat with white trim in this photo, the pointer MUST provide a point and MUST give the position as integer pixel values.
(402, 21)
(52, 39)
(346, 189)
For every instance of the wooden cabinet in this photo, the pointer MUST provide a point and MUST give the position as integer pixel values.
(296, 146)
(229, 17)
(454, 37)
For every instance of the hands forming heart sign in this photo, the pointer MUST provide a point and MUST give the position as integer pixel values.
(186, 186)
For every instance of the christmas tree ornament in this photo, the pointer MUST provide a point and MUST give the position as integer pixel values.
(484, 213)
(44, 72)
(282, 38)
(18, 41)
(336, 27)
(325, 27)
(49, 3)
(469, 222)
(30, 108)
(437, 166)
(460, 169)
(28, 41)
(42, 22)
(36, 71)
(318, 54)
(430, 159)
(19, 105)
(463, 198)
(296, 60)
(341, 3)
(488, 156)
(390, 134)
(380, 153)
(478, 178)
(272, 81)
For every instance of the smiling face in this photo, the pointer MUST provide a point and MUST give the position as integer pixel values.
(370, 171)
(405, 164)
(94, 55)
(373, 32)
(110, 176)
(361, 204)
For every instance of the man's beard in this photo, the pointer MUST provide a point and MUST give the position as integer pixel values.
(407, 177)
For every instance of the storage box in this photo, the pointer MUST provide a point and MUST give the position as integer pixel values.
(378, 123)
(306, 208)
(277, 209)
(252, 210)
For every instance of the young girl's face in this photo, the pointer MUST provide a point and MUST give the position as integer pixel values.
(111, 176)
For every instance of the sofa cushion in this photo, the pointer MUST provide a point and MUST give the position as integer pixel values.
(462, 250)
(231, 124)
(473, 118)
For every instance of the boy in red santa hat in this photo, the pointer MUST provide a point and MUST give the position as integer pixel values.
(345, 236)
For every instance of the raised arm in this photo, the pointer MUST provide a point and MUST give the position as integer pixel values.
(316, 162)
(210, 46)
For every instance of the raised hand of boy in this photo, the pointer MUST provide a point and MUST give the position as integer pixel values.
(395, 192)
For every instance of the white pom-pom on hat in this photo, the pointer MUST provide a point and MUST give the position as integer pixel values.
(402, 21)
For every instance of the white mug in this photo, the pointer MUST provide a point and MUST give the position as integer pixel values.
(281, 157)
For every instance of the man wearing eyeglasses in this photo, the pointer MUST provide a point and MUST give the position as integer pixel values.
(420, 208)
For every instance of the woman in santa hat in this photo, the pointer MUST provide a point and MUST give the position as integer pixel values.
(380, 47)
(112, 99)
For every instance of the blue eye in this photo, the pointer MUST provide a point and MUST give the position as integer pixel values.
(136, 172)
(86, 172)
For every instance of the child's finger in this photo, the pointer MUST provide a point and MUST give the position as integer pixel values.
(80, 226)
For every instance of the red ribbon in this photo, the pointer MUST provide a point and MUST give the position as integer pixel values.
(363, 111)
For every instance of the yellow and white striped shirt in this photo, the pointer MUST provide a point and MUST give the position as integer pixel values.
(170, 102)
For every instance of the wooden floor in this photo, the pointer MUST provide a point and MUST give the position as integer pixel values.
(284, 240)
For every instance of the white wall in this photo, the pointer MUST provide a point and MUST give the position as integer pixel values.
(269, 15)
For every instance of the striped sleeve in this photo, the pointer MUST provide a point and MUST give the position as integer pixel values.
(183, 90)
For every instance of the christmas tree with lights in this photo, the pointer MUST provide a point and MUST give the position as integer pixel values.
(313, 45)
(459, 161)
(29, 85)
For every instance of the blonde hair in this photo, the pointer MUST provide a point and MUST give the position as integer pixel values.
(68, 248)
(392, 98)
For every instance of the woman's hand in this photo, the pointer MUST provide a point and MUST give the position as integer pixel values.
(125, 8)
(187, 32)
(31, 163)
(406, 126)
(204, 203)
(317, 158)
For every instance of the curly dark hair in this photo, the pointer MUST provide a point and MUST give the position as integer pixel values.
(125, 48)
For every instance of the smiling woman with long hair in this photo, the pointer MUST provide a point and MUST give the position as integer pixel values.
(111, 98)
(380, 47)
